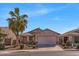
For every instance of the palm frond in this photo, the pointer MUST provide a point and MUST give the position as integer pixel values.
(12, 13)
(8, 19)
(17, 11)
(24, 16)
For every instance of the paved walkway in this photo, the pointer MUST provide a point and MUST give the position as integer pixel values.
(56, 48)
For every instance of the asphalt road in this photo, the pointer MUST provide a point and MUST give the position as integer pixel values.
(44, 53)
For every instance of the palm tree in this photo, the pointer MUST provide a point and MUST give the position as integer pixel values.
(17, 22)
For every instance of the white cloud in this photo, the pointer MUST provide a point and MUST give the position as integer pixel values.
(45, 10)
(42, 11)
(57, 18)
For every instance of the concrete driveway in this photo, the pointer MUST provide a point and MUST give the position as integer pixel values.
(56, 48)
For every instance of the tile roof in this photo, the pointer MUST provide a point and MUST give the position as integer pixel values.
(9, 32)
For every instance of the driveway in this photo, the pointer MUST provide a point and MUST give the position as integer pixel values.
(56, 48)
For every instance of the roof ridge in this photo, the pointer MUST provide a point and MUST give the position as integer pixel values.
(51, 30)
(36, 29)
(71, 30)
(4, 27)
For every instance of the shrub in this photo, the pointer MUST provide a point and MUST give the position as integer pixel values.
(68, 43)
(77, 47)
(34, 46)
(65, 47)
(2, 47)
(21, 46)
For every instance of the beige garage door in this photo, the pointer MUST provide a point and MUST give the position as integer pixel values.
(46, 41)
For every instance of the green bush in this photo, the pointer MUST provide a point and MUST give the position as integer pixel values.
(2, 47)
(65, 47)
(77, 47)
(14, 46)
(21, 46)
(68, 43)
(34, 46)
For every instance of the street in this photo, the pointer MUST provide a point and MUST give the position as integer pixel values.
(48, 51)
(43, 53)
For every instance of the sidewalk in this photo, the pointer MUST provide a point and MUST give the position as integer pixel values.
(71, 49)
(56, 48)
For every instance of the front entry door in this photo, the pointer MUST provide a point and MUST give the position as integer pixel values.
(65, 39)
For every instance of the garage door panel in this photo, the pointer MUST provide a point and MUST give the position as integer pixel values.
(46, 41)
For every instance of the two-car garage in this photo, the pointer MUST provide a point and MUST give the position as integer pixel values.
(45, 38)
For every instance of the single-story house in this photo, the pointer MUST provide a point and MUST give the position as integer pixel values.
(70, 36)
(45, 38)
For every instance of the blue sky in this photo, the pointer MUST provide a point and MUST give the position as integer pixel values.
(58, 17)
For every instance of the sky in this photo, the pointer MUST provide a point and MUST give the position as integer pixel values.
(59, 17)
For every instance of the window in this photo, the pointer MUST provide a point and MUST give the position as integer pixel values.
(76, 39)
(7, 41)
(65, 39)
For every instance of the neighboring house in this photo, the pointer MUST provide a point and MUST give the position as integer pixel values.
(71, 36)
(10, 36)
(45, 38)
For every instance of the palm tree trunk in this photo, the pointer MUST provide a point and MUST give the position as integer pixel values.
(17, 38)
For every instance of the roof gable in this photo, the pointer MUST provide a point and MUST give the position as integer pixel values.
(9, 32)
(40, 31)
(37, 30)
(73, 31)
(48, 31)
